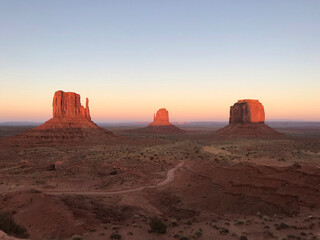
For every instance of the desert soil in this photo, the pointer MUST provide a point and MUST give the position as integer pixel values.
(201, 185)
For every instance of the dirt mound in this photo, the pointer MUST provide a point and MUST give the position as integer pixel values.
(44, 217)
(248, 130)
(52, 217)
(4, 236)
(165, 129)
(65, 131)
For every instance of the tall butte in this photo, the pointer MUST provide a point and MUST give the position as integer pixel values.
(161, 124)
(247, 120)
(161, 118)
(68, 105)
(71, 123)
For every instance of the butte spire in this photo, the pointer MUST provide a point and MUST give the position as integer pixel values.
(71, 124)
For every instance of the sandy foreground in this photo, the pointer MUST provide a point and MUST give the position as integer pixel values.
(201, 186)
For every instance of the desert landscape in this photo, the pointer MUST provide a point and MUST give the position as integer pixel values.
(71, 179)
(159, 120)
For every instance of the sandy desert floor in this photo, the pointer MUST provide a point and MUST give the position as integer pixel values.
(198, 184)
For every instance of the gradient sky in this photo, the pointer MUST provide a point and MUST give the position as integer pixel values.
(196, 58)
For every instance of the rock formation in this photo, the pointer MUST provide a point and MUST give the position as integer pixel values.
(247, 111)
(71, 124)
(247, 119)
(160, 125)
(67, 104)
(161, 118)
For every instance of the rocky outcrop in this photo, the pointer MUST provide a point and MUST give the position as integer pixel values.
(161, 118)
(160, 125)
(247, 120)
(71, 124)
(68, 105)
(247, 111)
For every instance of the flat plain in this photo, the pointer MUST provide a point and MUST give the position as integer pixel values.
(198, 185)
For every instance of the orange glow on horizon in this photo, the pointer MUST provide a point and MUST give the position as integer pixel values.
(200, 106)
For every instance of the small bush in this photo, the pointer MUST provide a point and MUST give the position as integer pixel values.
(76, 237)
(223, 231)
(115, 236)
(8, 225)
(282, 226)
(157, 226)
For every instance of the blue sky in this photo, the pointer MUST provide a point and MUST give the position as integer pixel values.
(132, 57)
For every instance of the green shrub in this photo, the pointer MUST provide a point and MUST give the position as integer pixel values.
(76, 237)
(8, 225)
(157, 225)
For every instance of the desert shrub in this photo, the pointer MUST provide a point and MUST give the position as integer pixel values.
(239, 222)
(223, 231)
(157, 225)
(115, 236)
(282, 226)
(76, 237)
(8, 225)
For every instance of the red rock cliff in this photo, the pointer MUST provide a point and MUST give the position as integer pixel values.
(68, 105)
(161, 118)
(247, 111)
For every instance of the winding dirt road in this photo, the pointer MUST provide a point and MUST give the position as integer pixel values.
(169, 178)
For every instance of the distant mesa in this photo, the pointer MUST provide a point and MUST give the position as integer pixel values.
(161, 118)
(160, 124)
(71, 123)
(247, 119)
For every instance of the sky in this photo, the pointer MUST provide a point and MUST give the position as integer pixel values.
(130, 58)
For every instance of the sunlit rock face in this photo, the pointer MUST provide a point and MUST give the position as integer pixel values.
(71, 124)
(161, 118)
(247, 120)
(68, 105)
(247, 111)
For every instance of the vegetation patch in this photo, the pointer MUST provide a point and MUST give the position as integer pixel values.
(9, 226)
(157, 225)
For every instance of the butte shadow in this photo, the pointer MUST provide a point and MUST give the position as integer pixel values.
(247, 120)
(71, 124)
(160, 125)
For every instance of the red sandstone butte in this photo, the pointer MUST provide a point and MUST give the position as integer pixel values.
(160, 125)
(247, 120)
(161, 118)
(71, 124)
(68, 105)
(247, 111)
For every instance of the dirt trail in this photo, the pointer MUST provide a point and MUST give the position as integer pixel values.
(169, 178)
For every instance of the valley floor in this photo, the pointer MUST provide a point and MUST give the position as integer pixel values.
(198, 184)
